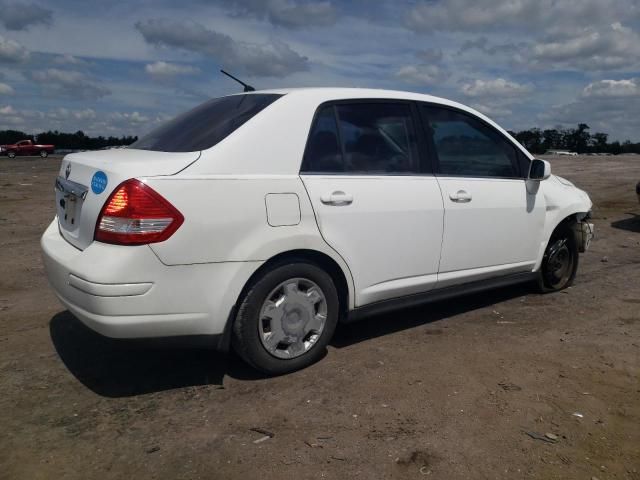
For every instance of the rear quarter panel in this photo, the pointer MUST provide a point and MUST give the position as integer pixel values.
(226, 220)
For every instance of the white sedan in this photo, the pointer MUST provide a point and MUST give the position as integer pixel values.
(263, 219)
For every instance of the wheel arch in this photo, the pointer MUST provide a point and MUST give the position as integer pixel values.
(565, 220)
(322, 259)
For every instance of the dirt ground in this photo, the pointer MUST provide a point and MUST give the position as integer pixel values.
(444, 391)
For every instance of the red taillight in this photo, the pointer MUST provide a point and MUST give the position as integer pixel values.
(135, 214)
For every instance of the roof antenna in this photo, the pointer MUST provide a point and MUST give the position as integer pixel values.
(247, 88)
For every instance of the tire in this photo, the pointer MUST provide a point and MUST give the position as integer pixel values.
(560, 261)
(11, 154)
(279, 327)
(44, 153)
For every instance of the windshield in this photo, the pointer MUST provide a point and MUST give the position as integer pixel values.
(205, 125)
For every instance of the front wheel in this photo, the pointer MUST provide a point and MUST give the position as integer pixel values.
(560, 261)
(44, 153)
(11, 154)
(286, 318)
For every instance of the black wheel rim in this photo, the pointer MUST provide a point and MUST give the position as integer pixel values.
(558, 264)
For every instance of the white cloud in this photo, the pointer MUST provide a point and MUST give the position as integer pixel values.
(20, 16)
(86, 114)
(325, 42)
(463, 15)
(492, 110)
(498, 87)
(270, 59)
(508, 50)
(7, 110)
(129, 123)
(68, 60)
(581, 35)
(131, 118)
(62, 113)
(6, 89)
(611, 47)
(426, 75)
(87, 120)
(69, 83)
(11, 51)
(613, 88)
(10, 119)
(528, 15)
(165, 69)
(609, 106)
(287, 13)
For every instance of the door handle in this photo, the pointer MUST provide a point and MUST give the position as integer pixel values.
(461, 196)
(337, 198)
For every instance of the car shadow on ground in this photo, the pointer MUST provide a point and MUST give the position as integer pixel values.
(631, 224)
(121, 368)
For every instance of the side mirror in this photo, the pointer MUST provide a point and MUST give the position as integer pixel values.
(539, 169)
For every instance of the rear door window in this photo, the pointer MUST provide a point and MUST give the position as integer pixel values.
(205, 125)
(323, 153)
(363, 139)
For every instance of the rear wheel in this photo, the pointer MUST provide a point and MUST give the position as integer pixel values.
(560, 261)
(44, 153)
(11, 154)
(286, 318)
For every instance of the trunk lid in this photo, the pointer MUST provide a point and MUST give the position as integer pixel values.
(86, 180)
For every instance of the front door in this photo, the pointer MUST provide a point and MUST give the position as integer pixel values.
(372, 204)
(492, 225)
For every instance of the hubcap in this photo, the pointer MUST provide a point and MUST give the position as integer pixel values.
(292, 318)
(559, 263)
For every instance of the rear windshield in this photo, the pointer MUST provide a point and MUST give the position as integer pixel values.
(205, 125)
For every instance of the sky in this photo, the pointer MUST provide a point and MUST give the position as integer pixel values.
(124, 67)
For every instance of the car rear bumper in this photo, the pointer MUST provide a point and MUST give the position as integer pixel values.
(126, 292)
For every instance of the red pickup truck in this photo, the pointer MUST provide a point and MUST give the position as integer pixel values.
(26, 147)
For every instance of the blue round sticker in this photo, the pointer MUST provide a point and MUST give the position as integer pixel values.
(99, 182)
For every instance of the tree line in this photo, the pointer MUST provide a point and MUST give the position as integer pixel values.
(66, 141)
(579, 140)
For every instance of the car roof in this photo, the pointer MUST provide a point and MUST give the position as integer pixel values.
(290, 118)
(326, 94)
(336, 93)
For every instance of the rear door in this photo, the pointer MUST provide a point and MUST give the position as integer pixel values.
(492, 225)
(373, 202)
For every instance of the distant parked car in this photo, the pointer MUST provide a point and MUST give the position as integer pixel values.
(638, 191)
(562, 152)
(26, 147)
